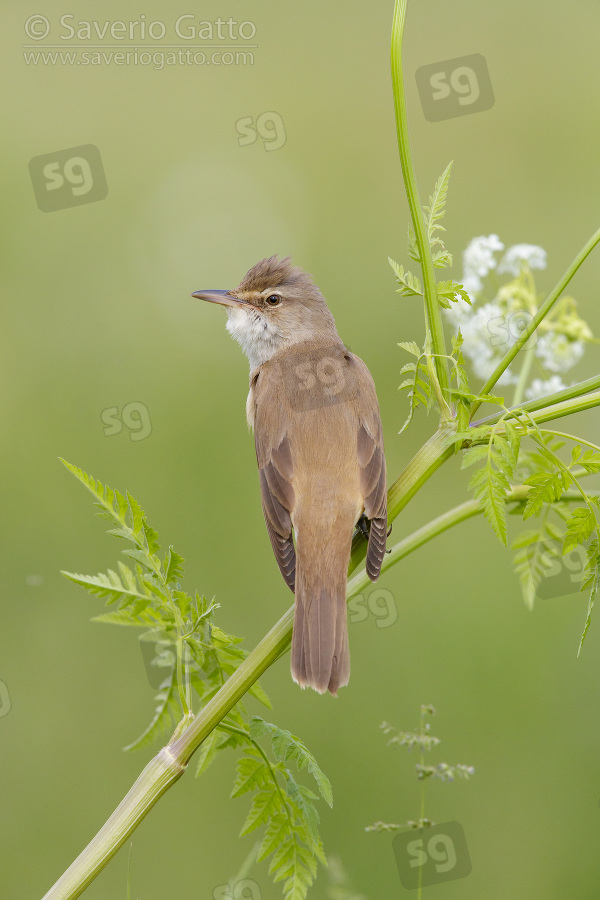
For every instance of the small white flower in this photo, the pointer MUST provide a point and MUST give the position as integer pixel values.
(478, 260)
(541, 388)
(534, 256)
(557, 353)
(479, 328)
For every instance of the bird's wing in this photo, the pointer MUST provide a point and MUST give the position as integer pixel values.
(371, 460)
(275, 469)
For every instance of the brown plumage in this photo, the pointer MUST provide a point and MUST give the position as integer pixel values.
(319, 447)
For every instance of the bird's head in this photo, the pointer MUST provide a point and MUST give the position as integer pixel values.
(275, 305)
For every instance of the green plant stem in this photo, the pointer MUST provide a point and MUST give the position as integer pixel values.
(437, 526)
(571, 437)
(432, 306)
(575, 390)
(523, 377)
(559, 410)
(548, 408)
(540, 315)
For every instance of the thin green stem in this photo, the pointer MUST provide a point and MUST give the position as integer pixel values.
(547, 414)
(571, 437)
(523, 378)
(540, 315)
(432, 306)
(570, 393)
(234, 730)
(560, 410)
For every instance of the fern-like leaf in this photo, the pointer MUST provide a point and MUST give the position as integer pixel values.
(410, 286)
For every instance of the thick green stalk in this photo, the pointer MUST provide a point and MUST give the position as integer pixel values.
(540, 315)
(432, 306)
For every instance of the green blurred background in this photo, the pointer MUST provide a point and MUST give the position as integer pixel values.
(97, 314)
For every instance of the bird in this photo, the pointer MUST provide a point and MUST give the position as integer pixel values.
(319, 446)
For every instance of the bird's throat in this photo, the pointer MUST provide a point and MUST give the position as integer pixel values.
(259, 337)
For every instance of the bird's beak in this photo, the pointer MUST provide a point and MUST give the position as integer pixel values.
(223, 297)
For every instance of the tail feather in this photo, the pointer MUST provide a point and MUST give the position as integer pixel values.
(320, 650)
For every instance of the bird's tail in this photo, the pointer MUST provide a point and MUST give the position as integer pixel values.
(320, 652)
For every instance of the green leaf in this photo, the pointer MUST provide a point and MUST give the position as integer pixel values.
(275, 833)
(410, 347)
(304, 805)
(207, 752)
(536, 549)
(489, 488)
(286, 747)
(251, 773)
(109, 587)
(410, 286)
(450, 292)
(264, 805)
(590, 461)
(546, 487)
(436, 209)
(173, 566)
(473, 455)
(580, 525)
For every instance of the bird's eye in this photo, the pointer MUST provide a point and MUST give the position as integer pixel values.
(273, 299)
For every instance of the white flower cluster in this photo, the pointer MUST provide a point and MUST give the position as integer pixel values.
(534, 257)
(491, 327)
(478, 261)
